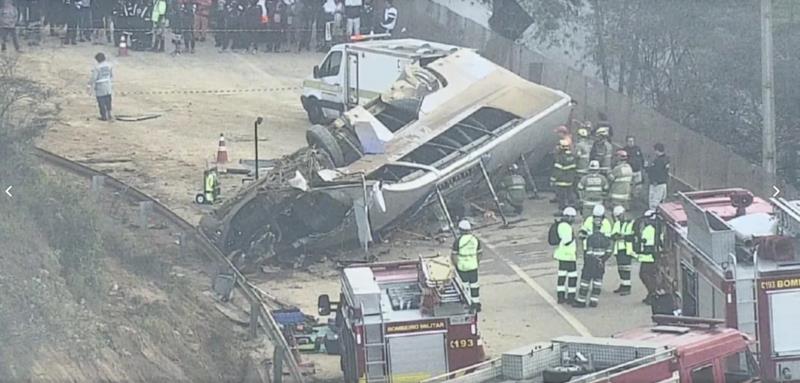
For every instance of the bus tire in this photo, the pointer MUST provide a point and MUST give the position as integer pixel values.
(321, 138)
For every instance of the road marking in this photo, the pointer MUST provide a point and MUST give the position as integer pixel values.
(571, 319)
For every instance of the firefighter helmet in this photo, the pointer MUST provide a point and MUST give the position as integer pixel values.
(598, 211)
(583, 132)
(464, 225)
(594, 165)
(602, 131)
(618, 211)
(569, 211)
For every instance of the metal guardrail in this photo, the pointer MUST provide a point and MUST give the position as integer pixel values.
(259, 313)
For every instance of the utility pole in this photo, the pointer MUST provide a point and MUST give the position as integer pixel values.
(767, 90)
(258, 122)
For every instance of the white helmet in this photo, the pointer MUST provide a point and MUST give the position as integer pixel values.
(464, 225)
(569, 211)
(594, 165)
(598, 211)
(618, 211)
(650, 213)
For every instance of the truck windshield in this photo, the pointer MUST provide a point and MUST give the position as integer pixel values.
(739, 367)
(331, 65)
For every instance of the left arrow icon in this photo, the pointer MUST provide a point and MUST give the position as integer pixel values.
(8, 191)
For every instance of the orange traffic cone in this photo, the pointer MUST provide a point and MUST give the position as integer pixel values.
(123, 46)
(222, 152)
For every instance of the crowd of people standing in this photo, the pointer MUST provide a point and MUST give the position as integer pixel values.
(244, 25)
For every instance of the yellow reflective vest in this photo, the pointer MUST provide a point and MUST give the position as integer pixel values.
(622, 231)
(468, 247)
(566, 250)
(648, 240)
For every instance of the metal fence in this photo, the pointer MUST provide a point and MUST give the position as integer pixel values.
(697, 161)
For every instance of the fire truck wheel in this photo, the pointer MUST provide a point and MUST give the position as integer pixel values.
(321, 138)
(200, 199)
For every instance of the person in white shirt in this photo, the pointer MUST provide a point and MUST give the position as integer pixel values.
(389, 17)
(330, 11)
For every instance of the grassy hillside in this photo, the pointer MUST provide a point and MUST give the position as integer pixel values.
(85, 296)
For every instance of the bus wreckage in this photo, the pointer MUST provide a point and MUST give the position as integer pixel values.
(438, 130)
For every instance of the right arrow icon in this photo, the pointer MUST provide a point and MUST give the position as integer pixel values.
(777, 191)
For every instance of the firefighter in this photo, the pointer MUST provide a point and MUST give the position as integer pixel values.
(646, 243)
(621, 181)
(622, 235)
(563, 176)
(511, 191)
(583, 149)
(596, 251)
(566, 255)
(211, 189)
(602, 150)
(592, 188)
(466, 255)
(563, 135)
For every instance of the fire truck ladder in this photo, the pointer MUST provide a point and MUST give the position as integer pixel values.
(375, 352)
(747, 300)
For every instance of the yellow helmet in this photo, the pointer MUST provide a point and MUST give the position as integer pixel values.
(602, 131)
(583, 132)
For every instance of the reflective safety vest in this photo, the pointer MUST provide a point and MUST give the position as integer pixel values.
(623, 231)
(621, 179)
(588, 226)
(211, 186)
(648, 239)
(563, 170)
(583, 150)
(567, 249)
(467, 253)
(592, 188)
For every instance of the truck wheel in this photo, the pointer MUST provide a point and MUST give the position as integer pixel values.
(314, 110)
(319, 137)
(200, 199)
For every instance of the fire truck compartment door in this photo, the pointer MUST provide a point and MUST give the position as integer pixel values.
(784, 311)
(408, 364)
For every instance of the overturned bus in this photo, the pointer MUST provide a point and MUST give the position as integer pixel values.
(440, 129)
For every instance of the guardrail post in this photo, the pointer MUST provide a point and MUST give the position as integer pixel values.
(254, 306)
(277, 365)
(97, 184)
(144, 213)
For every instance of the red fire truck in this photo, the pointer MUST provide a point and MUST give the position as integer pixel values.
(676, 349)
(733, 256)
(403, 322)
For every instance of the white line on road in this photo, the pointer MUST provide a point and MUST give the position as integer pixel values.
(574, 322)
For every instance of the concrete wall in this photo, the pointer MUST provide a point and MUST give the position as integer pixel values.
(697, 162)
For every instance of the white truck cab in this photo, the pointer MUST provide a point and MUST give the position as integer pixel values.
(353, 73)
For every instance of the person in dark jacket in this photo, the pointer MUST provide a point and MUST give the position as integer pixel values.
(71, 16)
(658, 174)
(306, 15)
(186, 17)
(252, 25)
